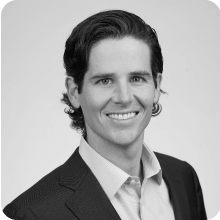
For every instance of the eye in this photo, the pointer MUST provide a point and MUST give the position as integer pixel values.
(137, 79)
(104, 81)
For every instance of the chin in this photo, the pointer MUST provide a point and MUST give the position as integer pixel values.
(125, 138)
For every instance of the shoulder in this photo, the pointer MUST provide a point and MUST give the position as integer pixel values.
(177, 167)
(47, 198)
(33, 196)
(175, 163)
(40, 196)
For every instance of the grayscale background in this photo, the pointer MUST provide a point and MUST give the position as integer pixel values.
(36, 133)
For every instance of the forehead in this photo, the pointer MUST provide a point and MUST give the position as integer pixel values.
(119, 55)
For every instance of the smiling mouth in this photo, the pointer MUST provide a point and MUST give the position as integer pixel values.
(123, 116)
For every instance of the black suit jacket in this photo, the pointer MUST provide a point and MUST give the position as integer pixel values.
(72, 192)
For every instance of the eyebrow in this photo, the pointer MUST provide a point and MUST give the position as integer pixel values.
(141, 73)
(102, 75)
(110, 75)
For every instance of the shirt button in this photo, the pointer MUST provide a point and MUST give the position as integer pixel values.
(133, 181)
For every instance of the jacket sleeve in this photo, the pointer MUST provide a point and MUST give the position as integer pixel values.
(24, 213)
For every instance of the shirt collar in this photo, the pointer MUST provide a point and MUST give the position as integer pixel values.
(151, 164)
(111, 177)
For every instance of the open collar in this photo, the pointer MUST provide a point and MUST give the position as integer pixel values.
(111, 177)
(87, 193)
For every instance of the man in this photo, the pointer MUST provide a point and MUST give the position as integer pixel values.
(114, 68)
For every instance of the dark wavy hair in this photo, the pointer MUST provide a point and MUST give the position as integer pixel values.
(114, 24)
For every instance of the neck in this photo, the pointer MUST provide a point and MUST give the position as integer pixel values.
(126, 157)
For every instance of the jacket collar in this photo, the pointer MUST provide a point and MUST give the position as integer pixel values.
(87, 193)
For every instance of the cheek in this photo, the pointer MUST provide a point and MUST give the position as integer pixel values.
(92, 103)
(145, 97)
(99, 97)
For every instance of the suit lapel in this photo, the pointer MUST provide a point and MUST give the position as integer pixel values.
(176, 189)
(88, 200)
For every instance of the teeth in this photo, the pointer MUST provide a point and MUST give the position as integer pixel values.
(125, 116)
(122, 116)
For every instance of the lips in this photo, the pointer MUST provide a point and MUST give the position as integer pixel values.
(122, 116)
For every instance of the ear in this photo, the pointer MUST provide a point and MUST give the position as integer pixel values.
(72, 92)
(157, 90)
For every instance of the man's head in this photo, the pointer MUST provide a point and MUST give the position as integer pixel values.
(115, 24)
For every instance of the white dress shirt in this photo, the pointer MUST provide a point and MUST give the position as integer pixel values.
(131, 199)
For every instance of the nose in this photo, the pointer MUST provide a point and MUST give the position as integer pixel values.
(123, 94)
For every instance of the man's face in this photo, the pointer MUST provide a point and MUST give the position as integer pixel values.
(118, 92)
